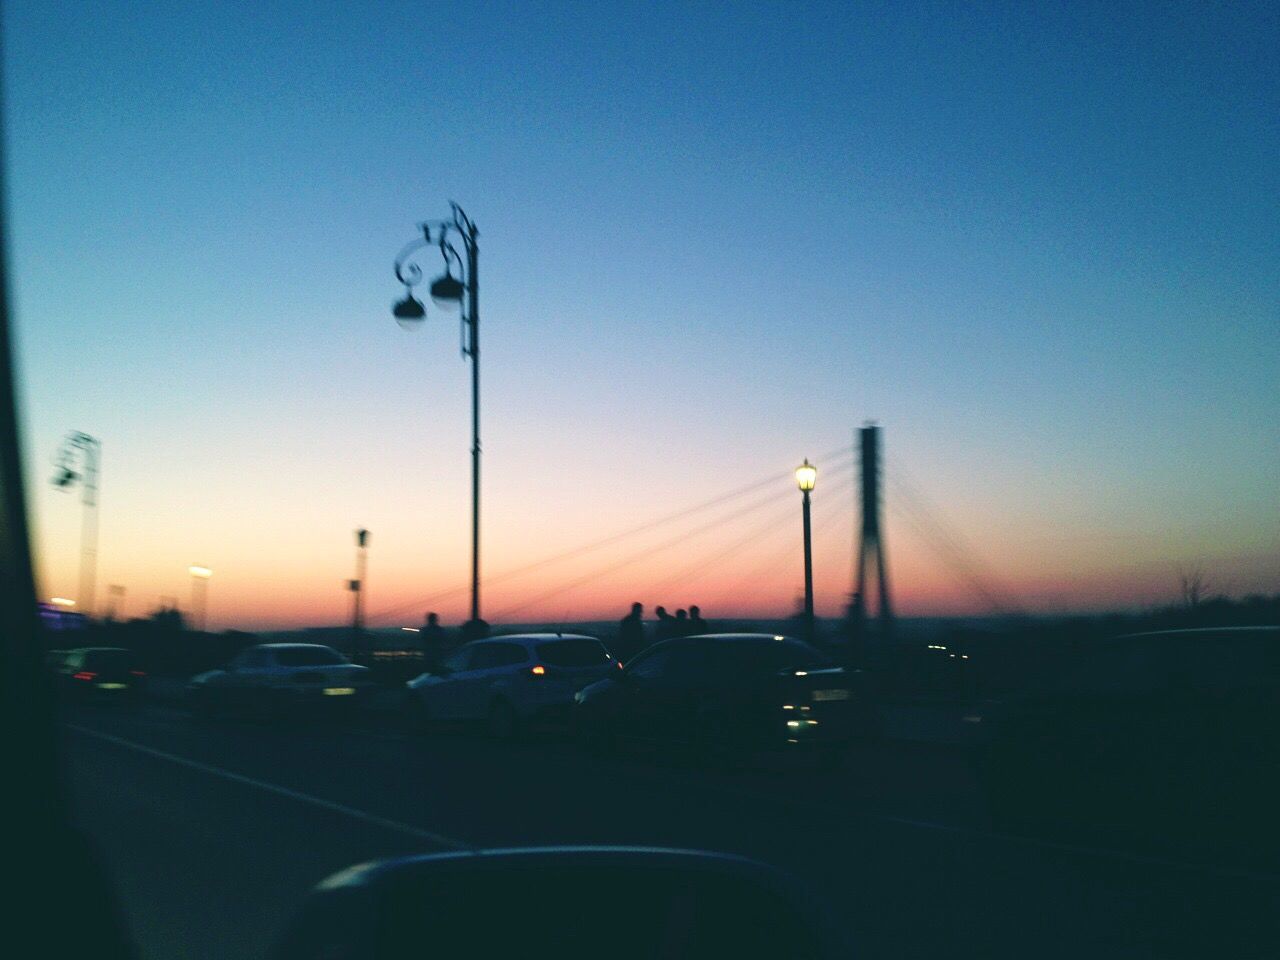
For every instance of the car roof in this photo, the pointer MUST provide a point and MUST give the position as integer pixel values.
(1190, 633)
(535, 637)
(739, 637)
(290, 646)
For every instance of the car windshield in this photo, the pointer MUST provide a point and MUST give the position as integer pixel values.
(836, 436)
(307, 657)
(573, 653)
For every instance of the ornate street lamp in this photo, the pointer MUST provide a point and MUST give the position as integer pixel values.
(449, 291)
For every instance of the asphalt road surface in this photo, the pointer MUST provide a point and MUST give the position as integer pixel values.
(215, 830)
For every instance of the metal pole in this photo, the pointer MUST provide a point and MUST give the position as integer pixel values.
(199, 601)
(89, 525)
(362, 566)
(473, 319)
(116, 611)
(808, 571)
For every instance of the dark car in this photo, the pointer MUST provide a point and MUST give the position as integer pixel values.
(98, 673)
(743, 692)
(1162, 737)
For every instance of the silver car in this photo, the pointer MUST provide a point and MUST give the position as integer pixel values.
(508, 682)
(273, 676)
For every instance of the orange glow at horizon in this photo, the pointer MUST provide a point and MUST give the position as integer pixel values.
(739, 561)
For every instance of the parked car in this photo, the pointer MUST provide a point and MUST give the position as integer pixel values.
(279, 676)
(1169, 736)
(509, 682)
(98, 673)
(741, 692)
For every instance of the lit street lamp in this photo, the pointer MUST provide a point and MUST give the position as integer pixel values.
(806, 479)
(199, 594)
(88, 450)
(449, 291)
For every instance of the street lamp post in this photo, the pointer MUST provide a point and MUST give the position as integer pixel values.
(88, 450)
(199, 594)
(448, 291)
(357, 586)
(806, 479)
(115, 608)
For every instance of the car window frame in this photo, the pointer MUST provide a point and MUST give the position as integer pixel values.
(466, 652)
(255, 658)
(658, 650)
(604, 650)
(497, 646)
(276, 661)
(671, 651)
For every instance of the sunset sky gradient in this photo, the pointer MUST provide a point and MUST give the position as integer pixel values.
(1039, 247)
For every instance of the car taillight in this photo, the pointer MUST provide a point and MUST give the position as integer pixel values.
(619, 664)
(138, 673)
(84, 675)
(537, 671)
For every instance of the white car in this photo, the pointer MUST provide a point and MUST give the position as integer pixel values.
(510, 681)
(273, 676)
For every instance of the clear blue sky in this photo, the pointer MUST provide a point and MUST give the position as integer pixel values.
(1040, 246)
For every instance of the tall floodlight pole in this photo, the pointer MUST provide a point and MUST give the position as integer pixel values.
(449, 291)
(78, 462)
(200, 575)
(357, 585)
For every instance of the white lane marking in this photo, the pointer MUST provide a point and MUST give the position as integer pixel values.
(451, 843)
(1103, 853)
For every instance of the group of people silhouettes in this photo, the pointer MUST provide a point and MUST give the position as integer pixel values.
(632, 636)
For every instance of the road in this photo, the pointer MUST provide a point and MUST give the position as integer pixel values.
(215, 830)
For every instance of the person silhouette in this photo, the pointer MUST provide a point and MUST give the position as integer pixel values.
(666, 624)
(696, 623)
(433, 639)
(682, 623)
(631, 633)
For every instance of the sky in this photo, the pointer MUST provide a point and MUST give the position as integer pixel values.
(1036, 243)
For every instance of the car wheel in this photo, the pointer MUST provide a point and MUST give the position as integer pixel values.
(503, 724)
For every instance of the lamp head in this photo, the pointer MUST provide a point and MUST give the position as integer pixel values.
(447, 290)
(806, 476)
(409, 312)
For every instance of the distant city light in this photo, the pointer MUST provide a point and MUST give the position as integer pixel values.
(410, 629)
(204, 573)
(62, 602)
